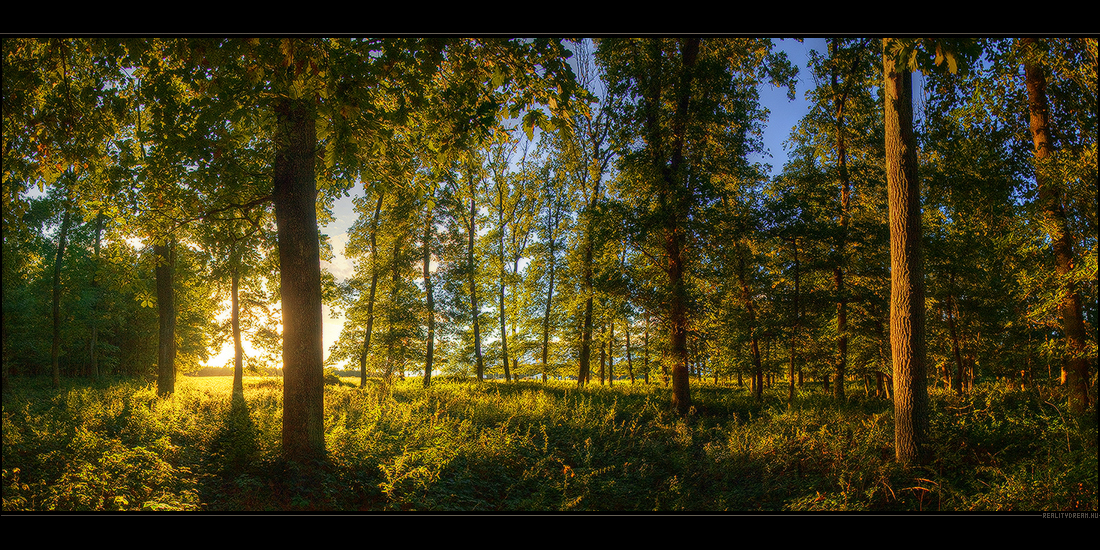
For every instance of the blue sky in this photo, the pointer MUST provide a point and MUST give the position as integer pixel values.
(784, 115)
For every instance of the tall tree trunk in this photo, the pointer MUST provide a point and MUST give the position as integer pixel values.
(839, 100)
(503, 272)
(476, 309)
(430, 344)
(55, 348)
(391, 313)
(629, 362)
(93, 349)
(295, 198)
(907, 340)
(957, 384)
(795, 324)
(235, 315)
(373, 288)
(603, 355)
(645, 348)
(754, 346)
(546, 314)
(611, 355)
(1074, 363)
(672, 198)
(166, 310)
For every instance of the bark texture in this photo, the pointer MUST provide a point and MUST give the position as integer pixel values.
(1074, 365)
(907, 340)
(300, 280)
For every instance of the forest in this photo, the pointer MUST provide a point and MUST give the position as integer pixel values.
(570, 282)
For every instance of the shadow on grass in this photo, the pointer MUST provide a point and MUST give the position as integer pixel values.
(235, 446)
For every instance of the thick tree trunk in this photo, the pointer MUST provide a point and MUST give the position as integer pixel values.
(166, 311)
(1074, 363)
(295, 197)
(55, 348)
(907, 340)
(672, 197)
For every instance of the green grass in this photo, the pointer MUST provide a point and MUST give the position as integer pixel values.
(464, 446)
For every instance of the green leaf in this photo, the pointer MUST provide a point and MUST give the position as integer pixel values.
(530, 120)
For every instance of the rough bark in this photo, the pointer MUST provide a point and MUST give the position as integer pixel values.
(1051, 200)
(907, 339)
(295, 198)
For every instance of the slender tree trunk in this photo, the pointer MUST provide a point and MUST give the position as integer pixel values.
(55, 348)
(645, 348)
(166, 310)
(746, 296)
(391, 314)
(476, 309)
(611, 355)
(795, 325)
(373, 288)
(546, 314)
(838, 271)
(295, 198)
(1074, 363)
(957, 385)
(603, 356)
(629, 361)
(430, 344)
(503, 273)
(235, 317)
(907, 340)
(93, 349)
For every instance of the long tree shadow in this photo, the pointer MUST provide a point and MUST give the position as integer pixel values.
(235, 447)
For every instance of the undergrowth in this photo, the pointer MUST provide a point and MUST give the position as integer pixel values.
(490, 447)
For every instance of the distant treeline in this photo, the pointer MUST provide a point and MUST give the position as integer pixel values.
(228, 371)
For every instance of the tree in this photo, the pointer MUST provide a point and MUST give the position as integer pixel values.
(1052, 201)
(907, 276)
(687, 114)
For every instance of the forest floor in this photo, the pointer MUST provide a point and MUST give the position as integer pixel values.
(495, 447)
